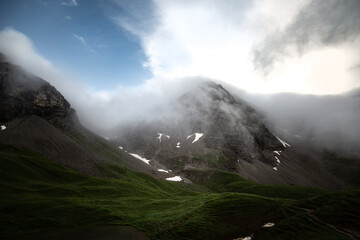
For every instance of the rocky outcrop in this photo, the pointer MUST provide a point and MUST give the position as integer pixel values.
(232, 132)
(38, 117)
(23, 95)
(233, 138)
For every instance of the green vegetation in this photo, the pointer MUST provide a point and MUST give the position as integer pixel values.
(94, 144)
(210, 159)
(38, 194)
(220, 181)
(347, 169)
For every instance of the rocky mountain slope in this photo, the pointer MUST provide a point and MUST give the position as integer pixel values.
(35, 115)
(22, 95)
(208, 128)
(42, 197)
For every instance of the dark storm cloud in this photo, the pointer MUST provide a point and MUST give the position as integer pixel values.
(319, 23)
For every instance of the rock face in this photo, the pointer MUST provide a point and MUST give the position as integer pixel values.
(206, 128)
(38, 117)
(23, 95)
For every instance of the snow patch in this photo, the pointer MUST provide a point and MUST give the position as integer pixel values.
(140, 158)
(3, 127)
(277, 152)
(277, 159)
(267, 225)
(174, 179)
(163, 170)
(275, 168)
(244, 238)
(107, 138)
(178, 145)
(283, 142)
(197, 136)
(121, 147)
(160, 136)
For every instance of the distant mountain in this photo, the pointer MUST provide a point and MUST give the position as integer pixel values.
(209, 128)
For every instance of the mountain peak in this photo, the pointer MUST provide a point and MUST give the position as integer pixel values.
(22, 95)
(205, 121)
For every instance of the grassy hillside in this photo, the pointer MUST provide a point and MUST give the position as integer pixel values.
(38, 194)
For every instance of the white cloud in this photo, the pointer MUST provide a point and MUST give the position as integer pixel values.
(216, 39)
(97, 108)
(84, 42)
(20, 50)
(81, 39)
(321, 71)
(71, 3)
(68, 18)
(106, 109)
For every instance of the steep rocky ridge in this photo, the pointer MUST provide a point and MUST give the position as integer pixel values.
(22, 95)
(230, 128)
(208, 128)
(37, 116)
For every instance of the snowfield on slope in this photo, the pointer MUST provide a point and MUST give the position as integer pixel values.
(197, 136)
(140, 158)
(160, 136)
(277, 152)
(267, 225)
(244, 238)
(174, 179)
(285, 144)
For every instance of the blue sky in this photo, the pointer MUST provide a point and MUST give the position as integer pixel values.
(79, 37)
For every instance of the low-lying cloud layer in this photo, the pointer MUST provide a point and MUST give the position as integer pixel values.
(97, 109)
(329, 121)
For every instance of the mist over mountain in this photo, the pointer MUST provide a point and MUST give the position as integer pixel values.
(33, 114)
(325, 121)
(198, 126)
(201, 119)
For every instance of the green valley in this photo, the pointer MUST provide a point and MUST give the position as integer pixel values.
(38, 195)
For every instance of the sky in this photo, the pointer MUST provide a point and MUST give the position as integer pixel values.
(78, 37)
(113, 59)
(266, 46)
